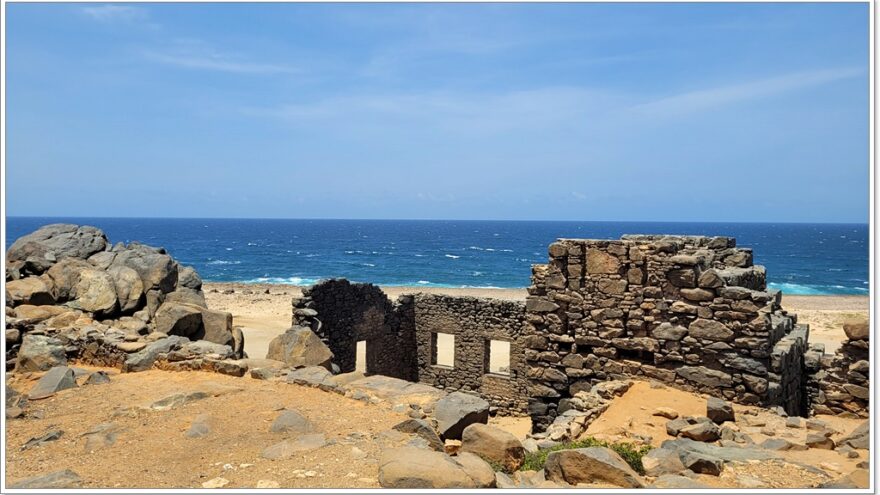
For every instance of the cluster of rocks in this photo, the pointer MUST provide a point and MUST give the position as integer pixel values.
(575, 414)
(690, 311)
(841, 382)
(72, 296)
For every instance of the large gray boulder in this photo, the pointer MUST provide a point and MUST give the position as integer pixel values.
(178, 319)
(457, 411)
(30, 290)
(42, 248)
(129, 288)
(65, 275)
(719, 410)
(95, 292)
(57, 379)
(421, 428)
(156, 268)
(412, 467)
(40, 353)
(189, 278)
(591, 465)
(493, 444)
(298, 347)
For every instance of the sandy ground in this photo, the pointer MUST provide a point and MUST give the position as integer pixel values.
(264, 315)
(152, 450)
(631, 416)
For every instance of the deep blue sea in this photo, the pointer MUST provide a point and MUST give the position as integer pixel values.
(800, 258)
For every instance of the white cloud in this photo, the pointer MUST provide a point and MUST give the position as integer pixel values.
(694, 101)
(217, 62)
(116, 13)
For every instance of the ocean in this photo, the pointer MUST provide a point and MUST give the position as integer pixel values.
(800, 258)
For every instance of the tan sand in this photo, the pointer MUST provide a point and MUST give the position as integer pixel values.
(265, 315)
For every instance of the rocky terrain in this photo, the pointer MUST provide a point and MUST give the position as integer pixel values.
(120, 376)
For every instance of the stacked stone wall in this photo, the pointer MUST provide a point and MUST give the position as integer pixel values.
(473, 322)
(686, 310)
(840, 382)
(343, 313)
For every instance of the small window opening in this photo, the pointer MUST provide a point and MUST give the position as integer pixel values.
(499, 357)
(443, 349)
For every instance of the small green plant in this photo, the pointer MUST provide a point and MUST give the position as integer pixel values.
(630, 453)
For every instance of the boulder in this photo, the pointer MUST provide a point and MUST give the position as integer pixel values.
(185, 295)
(36, 314)
(493, 444)
(189, 278)
(179, 319)
(702, 463)
(291, 422)
(312, 376)
(40, 353)
(156, 269)
(659, 462)
(819, 441)
(422, 429)
(55, 380)
(705, 431)
(54, 480)
(129, 288)
(859, 438)
(412, 467)
(719, 411)
(217, 328)
(30, 290)
(97, 378)
(65, 276)
(43, 247)
(94, 292)
(591, 465)
(457, 411)
(298, 347)
(857, 329)
(478, 469)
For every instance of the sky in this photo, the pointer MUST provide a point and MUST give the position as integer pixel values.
(644, 112)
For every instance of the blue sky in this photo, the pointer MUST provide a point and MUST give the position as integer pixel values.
(668, 112)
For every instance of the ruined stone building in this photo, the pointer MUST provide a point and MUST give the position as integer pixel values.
(685, 310)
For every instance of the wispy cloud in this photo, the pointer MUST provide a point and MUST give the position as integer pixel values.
(218, 62)
(698, 100)
(562, 108)
(116, 13)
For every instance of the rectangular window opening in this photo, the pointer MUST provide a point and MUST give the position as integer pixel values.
(360, 356)
(499, 357)
(443, 349)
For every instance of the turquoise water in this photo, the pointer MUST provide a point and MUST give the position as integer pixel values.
(800, 258)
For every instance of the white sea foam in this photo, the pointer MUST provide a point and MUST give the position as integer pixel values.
(453, 256)
(283, 280)
(223, 262)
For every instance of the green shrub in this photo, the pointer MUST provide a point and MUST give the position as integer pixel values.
(630, 453)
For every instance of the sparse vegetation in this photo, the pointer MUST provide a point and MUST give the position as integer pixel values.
(631, 453)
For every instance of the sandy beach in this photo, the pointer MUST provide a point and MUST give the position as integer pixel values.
(264, 310)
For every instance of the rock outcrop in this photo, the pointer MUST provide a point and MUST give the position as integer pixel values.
(70, 295)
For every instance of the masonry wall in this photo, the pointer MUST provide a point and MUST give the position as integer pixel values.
(473, 322)
(343, 313)
(400, 338)
(840, 382)
(687, 310)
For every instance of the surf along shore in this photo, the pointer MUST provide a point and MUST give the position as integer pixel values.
(264, 310)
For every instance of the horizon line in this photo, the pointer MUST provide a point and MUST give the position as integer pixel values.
(6, 217)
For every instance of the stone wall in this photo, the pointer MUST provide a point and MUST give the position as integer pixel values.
(400, 337)
(840, 382)
(473, 322)
(343, 313)
(691, 311)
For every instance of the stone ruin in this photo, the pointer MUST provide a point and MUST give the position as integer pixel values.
(689, 311)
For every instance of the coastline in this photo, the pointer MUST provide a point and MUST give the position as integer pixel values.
(264, 310)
